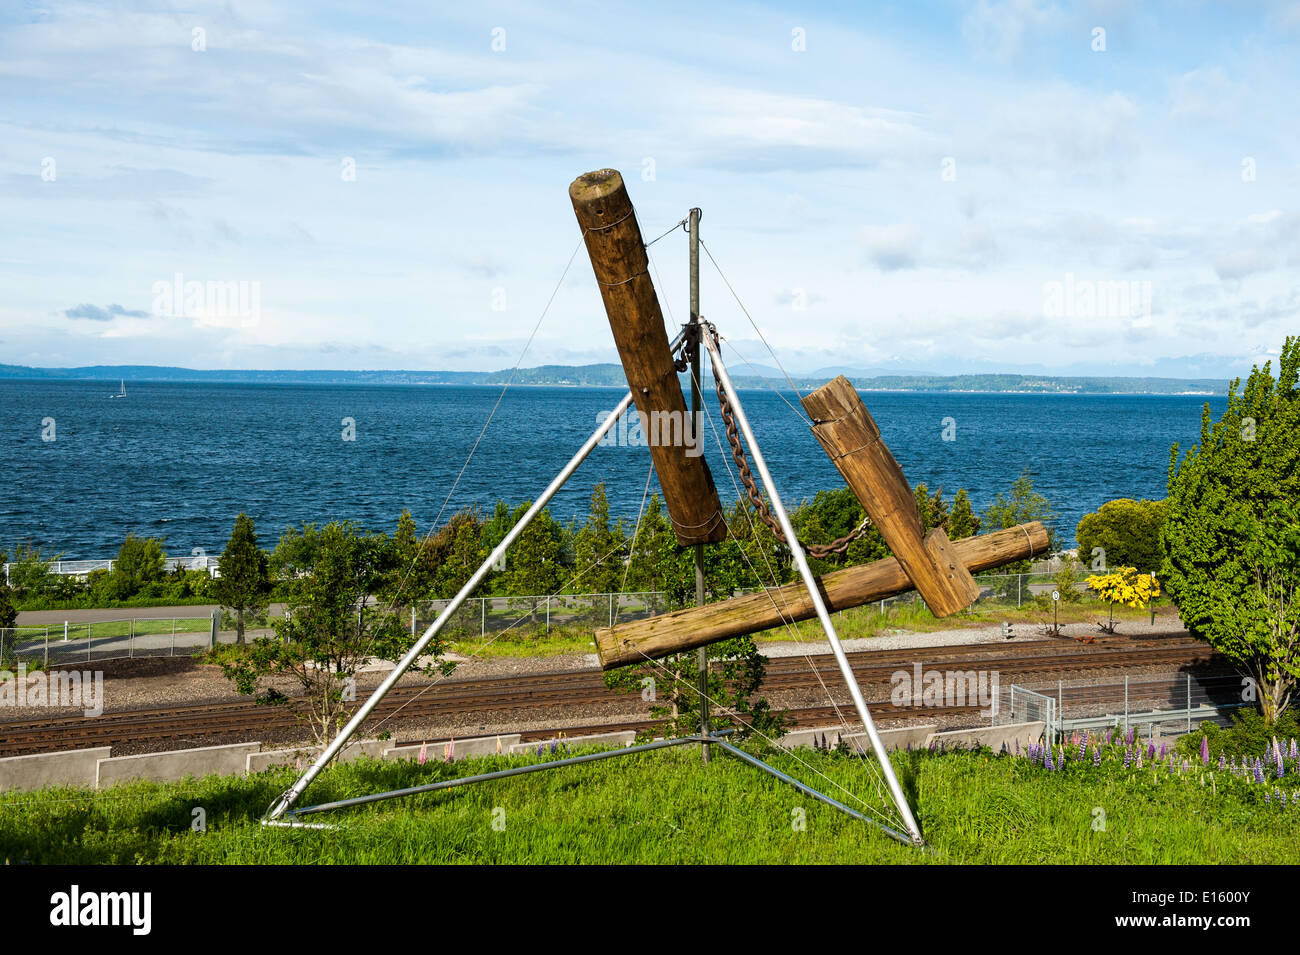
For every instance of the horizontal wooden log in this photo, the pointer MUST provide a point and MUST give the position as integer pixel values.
(669, 633)
(849, 436)
(618, 257)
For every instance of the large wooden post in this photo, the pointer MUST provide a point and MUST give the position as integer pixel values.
(682, 630)
(847, 432)
(618, 257)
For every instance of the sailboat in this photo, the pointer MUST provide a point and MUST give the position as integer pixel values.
(122, 393)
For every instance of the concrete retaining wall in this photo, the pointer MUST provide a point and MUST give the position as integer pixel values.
(991, 736)
(470, 746)
(899, 738)
(178, 764)
(624, 738)
(259, 762)
(72, 768)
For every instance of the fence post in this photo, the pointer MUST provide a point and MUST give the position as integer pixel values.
(1126, 707)
(47, 648)
(412, 619)
(212, 631)
(548, 614)
(611, 610)
(65, 631)
(173, 646)
(482, 609)
(130, 639)
(1020, 579)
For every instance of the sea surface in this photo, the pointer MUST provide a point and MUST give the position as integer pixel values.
(181, 460)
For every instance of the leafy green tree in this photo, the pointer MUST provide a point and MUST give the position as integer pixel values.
(31, 573)
(140, 561)
(339, 616)
(1231, 539)
(962, 522)
(1122, 533)
(8, 615)
(243, 586)
(1019, 505)
(599, 549)
(534, 565)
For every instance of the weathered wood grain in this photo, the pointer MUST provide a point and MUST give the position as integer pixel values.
(618, 257)
(670, 633)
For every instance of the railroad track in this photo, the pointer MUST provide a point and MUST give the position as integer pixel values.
(171, 727)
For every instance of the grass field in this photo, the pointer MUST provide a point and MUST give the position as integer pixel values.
(664, 807)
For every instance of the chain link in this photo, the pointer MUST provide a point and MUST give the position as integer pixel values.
(689, 348)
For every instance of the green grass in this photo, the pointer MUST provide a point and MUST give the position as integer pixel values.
(664, 807)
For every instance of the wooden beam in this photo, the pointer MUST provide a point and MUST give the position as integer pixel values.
(618, 257)
(847, 432)
(670, 633)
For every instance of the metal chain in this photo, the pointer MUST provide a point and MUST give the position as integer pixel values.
(690, 345)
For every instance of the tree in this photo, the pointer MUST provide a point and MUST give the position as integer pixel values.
(1019, 506)
(534, 566)
(8, 616)
(31, 573)
(599, 550)
(140, 561)
(1122, 533)
(339, 617)
(244, 584)
(962, 522)
(1124, 585)
(1231, 540)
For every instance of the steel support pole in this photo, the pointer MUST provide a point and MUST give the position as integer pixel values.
(814, 594)
(702, 654)
(295, 792)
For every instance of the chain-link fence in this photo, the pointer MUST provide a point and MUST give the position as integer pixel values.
(97, 641)
(1151, 706)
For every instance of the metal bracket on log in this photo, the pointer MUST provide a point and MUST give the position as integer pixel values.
(680, 630)
(848, 434)
(618, 257)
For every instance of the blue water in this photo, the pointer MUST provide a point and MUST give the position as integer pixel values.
(181, 460)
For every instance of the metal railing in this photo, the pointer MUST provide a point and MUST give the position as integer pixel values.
(79, 568)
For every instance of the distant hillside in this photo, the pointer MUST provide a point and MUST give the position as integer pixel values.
(611, 375)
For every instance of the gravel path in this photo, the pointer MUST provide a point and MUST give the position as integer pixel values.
(1023, 633)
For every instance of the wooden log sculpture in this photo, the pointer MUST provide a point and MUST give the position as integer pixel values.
(619, 259)
(681, 630)
(848, 434)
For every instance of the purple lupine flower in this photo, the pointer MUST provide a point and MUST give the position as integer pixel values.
(1164, 748)
(1205, 751)
(1128, 754)
(1096, 757)
(541, 750)
(1282, 798)
(1223, 761)
(1293, 753)
(1266, 797)
(1017, 747)
(1128, 738)
(1151, 750)
(1047, 760)
(1259, 771)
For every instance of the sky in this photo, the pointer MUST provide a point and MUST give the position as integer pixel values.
(1006, 185)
